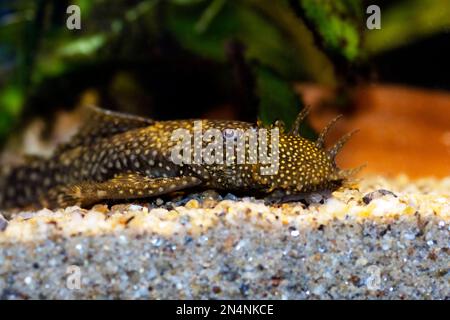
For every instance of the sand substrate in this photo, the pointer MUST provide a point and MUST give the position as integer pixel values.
(381, 239)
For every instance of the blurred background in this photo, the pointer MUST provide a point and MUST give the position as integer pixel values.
(246, 60)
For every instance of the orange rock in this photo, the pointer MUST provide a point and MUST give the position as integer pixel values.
(403, 130)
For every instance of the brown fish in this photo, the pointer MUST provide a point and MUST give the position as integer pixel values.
(116, 156)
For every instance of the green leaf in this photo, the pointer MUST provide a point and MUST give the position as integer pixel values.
(11, 102)
(206, 30)
(337, 24)
(428, 17)
(208, 15)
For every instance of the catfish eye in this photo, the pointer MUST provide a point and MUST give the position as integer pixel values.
(229, 134)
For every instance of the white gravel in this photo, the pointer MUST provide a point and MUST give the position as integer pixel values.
(384, 238)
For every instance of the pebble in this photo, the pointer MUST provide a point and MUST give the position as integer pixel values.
(377, 194)
(192, 204)
(295, 233)
(3, 223)
(205, 246)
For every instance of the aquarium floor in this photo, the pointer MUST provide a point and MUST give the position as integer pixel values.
(359, 243)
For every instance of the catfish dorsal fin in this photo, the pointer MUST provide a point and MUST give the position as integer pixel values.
(99, 123)
(111, 122)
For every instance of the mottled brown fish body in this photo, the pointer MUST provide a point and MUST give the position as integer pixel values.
(118, 157)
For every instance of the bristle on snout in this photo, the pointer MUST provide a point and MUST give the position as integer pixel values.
(340, 143)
